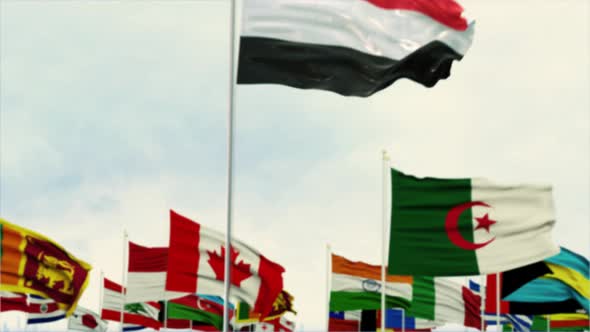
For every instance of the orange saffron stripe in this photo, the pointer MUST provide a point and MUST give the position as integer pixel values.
(363, 270)
(11, 254)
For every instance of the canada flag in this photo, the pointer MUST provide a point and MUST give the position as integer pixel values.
(196, 265)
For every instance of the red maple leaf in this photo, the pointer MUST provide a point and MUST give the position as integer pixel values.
(239, 272)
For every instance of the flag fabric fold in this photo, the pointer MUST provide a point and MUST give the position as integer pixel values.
(196, 265)
(196, 308)
(446, 301)
(559, 285)
(146, 278)
(357, 285)
(43, 310)
(34, 264)
(86, 320)
(143, 314)
(459, 227)
(350, 47)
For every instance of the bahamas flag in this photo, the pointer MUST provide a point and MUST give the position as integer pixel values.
(568, 279)
(34, 264)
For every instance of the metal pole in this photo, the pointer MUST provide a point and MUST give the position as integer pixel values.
(498, 326)
(548, 323)
(403, 320)
(100, 293)
(482, 294)
(385, 166)
(328, 288)
(123, 279)
(230, 161)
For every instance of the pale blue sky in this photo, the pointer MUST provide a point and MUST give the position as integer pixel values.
(112, 113)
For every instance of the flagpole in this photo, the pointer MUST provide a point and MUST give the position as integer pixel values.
(230, 161)
(482, 293)
(548, 323)
(123, 278)
(385, 165)
(328, 288)
(166, 315)
(403, 321)
(498, 327)
(100, 293)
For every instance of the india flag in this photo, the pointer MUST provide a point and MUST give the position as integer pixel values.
(357, 285)
(451, 227)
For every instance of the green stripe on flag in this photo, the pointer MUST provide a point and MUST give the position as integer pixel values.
(423, 298)
(243, 311)
(419, 244)
(344, 301)
(179, 311)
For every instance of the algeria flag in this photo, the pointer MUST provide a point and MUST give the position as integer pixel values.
(196, 265)
(446, 227)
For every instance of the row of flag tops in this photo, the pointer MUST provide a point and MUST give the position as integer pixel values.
(175, 287)
(442, 229)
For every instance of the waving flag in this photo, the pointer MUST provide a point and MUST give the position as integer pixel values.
(146, 278)
(443, 300)
(558, 284)
(357, 285)
(196, 308)
(10, 301)
(34, 264)
(396, 319)
(196, 265)
(350, 47)
(446, 227)
(42, 310)
(143, 314)
(86, 320)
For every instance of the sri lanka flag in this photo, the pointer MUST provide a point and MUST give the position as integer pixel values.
(34, 264)
(350, 47)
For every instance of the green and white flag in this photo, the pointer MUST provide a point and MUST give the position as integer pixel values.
(447, 227)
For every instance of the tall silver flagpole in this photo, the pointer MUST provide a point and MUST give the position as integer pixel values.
(230, 161)
(498, 326)
(482, 294)
(384, 237)
(100, 293)
(123, 278)
(328, 288)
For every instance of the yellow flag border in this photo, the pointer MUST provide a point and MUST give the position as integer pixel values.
(19, 289)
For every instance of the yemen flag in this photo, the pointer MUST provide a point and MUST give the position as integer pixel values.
(196, 265)
(447, 227)
(34, 264)
(350, 47)
(357, 285)
(146, 280)
(443, 300)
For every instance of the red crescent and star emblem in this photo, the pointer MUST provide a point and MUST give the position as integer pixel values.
(452, 226)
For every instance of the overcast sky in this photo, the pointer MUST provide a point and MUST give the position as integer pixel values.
(112, 113)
